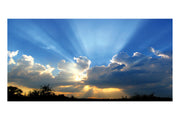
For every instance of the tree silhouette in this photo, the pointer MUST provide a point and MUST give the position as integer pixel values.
(45, 90)
(14, 91)
(34, 93)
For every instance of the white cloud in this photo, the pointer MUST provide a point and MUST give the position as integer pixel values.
(11, 55)
(74, 70)
(26, 61)
(83, 63)
(30, 74)
(137, 54)
(48, 69)
(121, 58)
(11, 61)
(66, 66)
(27, 73)
(158, 53)
(163, 56)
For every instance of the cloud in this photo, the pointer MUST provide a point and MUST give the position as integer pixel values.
(69, 88)
(27, 73)
(125, 75)
(158, 53)
(65, 78)
(30, 74)
(87, 91)
(11, 55)
(95, 92)
(26, 61)
(71, 71)
(134, 74)
(83, 63)
(123, 58)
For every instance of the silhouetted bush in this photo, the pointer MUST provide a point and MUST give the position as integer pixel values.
(34, 93)
(14, 91)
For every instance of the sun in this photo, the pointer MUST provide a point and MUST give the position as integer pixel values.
(78, 77)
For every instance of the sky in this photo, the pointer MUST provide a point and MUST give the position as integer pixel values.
(92, 58)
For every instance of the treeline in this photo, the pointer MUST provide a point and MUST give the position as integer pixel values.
(45, 93)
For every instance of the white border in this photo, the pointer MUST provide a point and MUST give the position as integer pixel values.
(88, 9)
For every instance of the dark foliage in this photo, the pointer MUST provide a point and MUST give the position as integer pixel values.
(14, 91)
(44, 91)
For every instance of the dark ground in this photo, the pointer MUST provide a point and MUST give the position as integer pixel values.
(63, 98)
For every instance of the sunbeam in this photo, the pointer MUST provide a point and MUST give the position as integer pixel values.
(28, 30)
(103, 38)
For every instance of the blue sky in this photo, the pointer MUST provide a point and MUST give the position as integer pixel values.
(109, 42)
(98, 39)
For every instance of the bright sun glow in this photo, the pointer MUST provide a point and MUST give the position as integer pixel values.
(78, 78)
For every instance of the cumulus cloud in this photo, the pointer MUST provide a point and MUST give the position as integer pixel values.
(123, 58)
(83, 63)
(26, 61)
(66, 66)
(70, 71)
(30, 74)
(11, 55)
(125, 75)
(27, 73)
(65, 78)
(137, 73)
